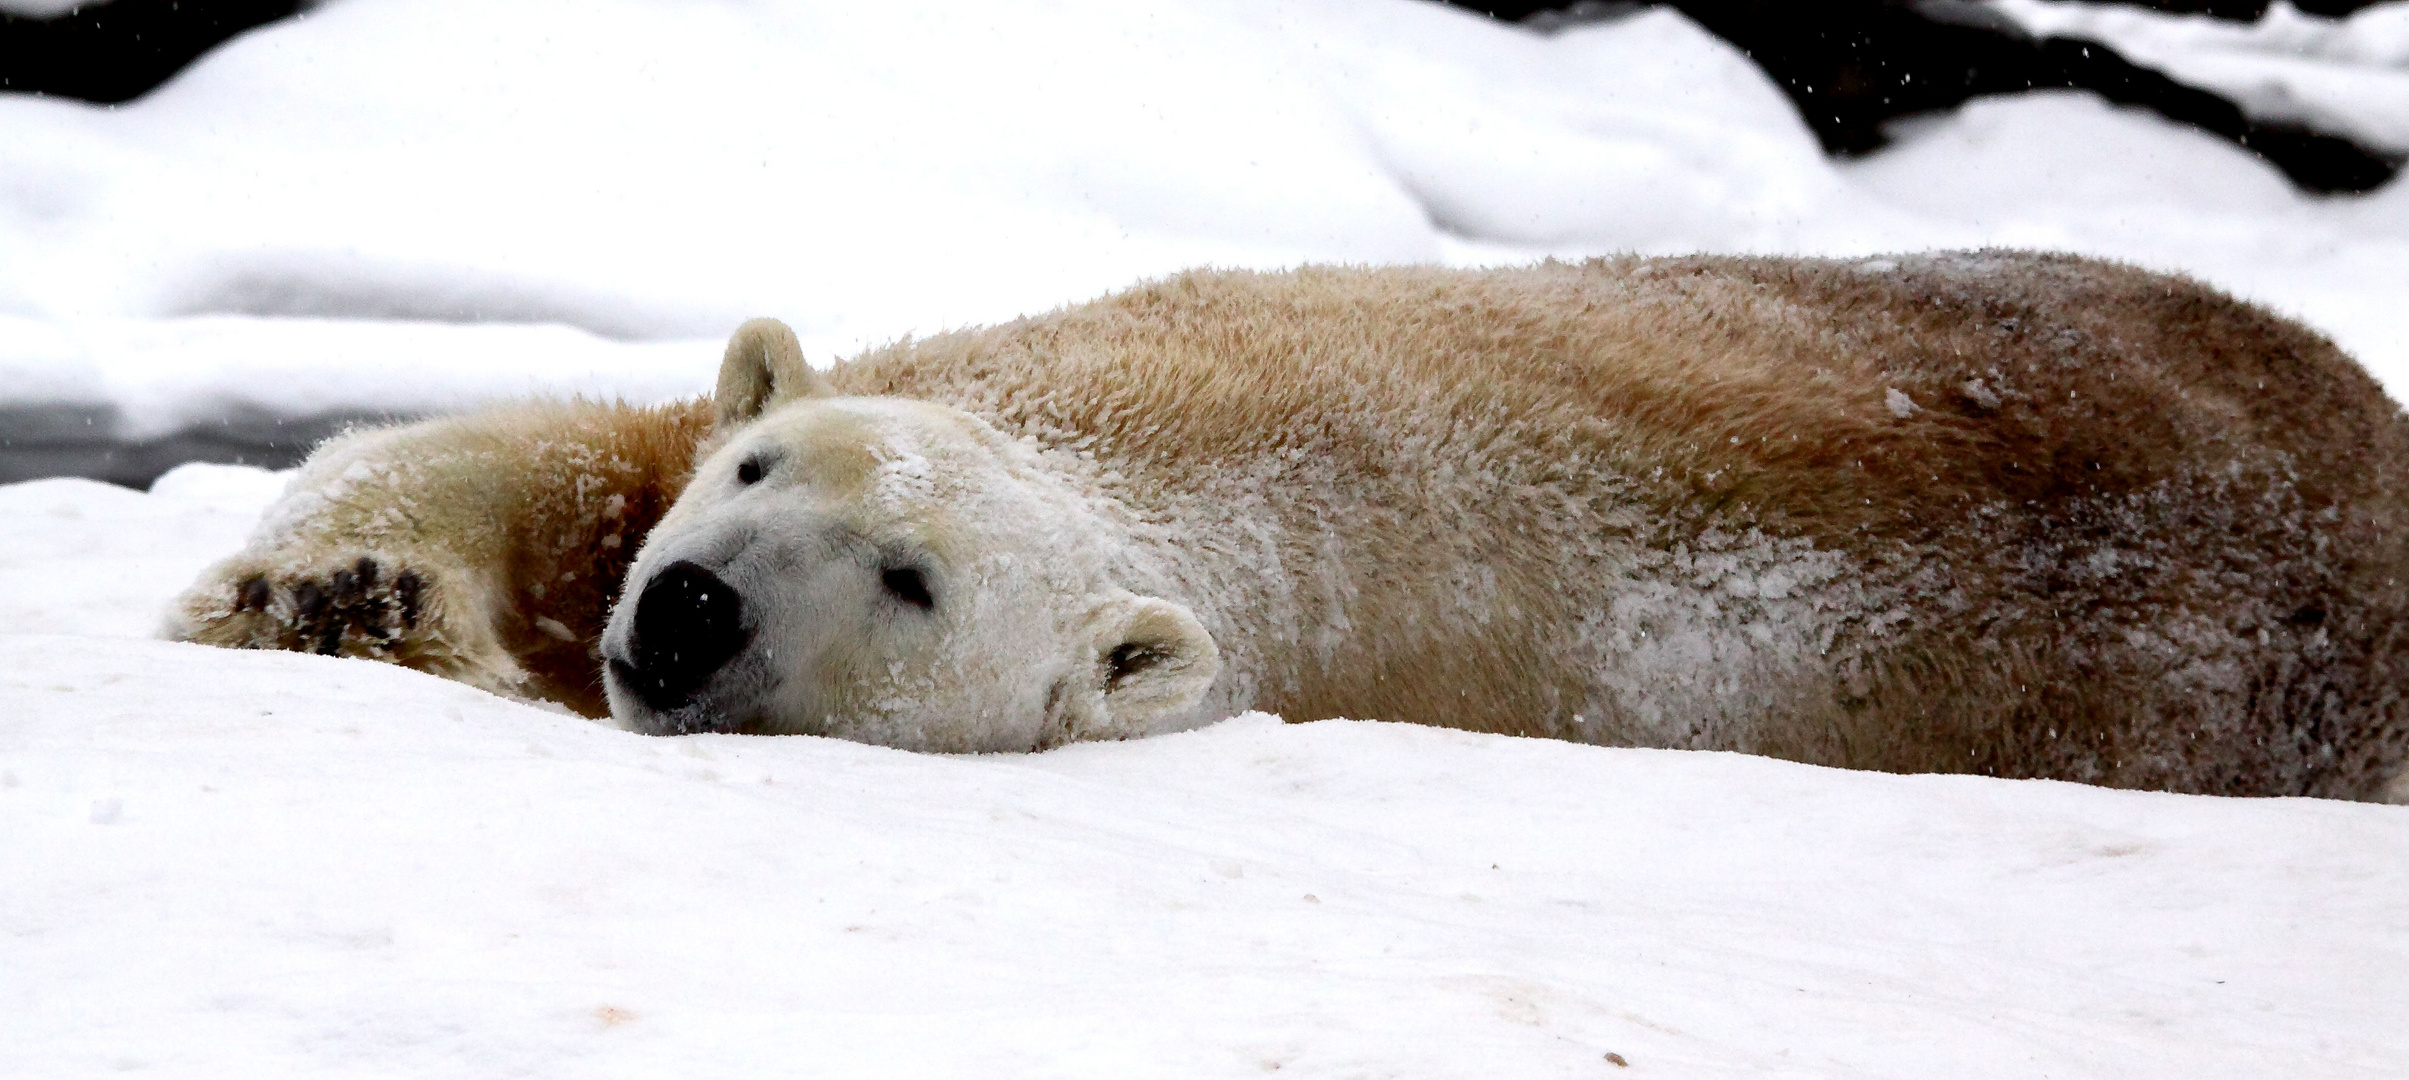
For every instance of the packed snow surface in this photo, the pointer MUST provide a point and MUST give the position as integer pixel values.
(257, 233)
(269, 864)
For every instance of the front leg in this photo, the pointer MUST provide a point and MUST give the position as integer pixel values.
(422, 612)
(486, 549)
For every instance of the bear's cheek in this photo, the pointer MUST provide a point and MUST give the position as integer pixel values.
(966, 693)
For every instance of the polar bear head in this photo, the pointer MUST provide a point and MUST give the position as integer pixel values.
(889, 571)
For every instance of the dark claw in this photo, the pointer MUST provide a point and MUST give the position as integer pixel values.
(253, 594)
(346, 585)
(366, 569)
(405, 589)
(308, 601)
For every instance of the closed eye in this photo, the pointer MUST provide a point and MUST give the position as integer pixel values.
(906, 584)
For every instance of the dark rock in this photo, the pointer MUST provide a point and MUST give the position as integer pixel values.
(86, 440)
(113, 52)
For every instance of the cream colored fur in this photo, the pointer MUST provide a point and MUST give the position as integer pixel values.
(1988, 512)
(518, 527)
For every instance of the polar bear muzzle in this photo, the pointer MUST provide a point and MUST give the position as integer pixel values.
(689, 624)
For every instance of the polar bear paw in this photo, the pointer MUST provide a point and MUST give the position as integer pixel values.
(368, 605)
(358, 609)
(352, 607)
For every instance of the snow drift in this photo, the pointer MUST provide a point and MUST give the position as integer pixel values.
(246, 864)
(656, 170)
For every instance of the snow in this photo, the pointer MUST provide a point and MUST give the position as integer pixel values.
(84, 558)
(2346, 75)
(167, 375)
(248, 864)
(44, 9)
(277, 864)
(2373, 36)
(258, 234)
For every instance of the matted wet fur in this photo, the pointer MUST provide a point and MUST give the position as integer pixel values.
(1992, 512)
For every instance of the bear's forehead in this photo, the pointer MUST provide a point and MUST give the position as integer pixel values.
(870, 423)
(852, 441)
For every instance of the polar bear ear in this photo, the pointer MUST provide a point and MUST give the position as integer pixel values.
(764, 366)
(1153, 660)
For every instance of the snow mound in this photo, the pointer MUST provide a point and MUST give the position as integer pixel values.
(164, 375)
(2373, 36)
(43, 9)
(85, 558)
(2345, 75)
(274, 864)
(254, 237)
(647, 169)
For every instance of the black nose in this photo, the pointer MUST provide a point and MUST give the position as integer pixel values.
(689, 624)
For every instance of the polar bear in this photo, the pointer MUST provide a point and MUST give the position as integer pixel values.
(1995, 512)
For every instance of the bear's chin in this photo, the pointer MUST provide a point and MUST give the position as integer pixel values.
(694, 720)
(705, 715)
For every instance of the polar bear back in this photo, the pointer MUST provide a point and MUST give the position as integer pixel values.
(2020, 514)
